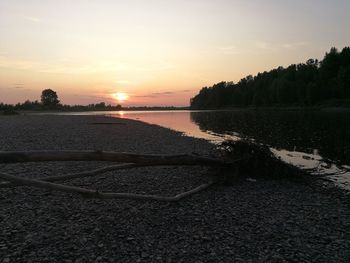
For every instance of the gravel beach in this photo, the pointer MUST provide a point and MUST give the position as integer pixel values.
(262, 221)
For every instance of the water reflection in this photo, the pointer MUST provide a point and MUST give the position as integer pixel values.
(175, 120)
(307, 139)
(319, 133)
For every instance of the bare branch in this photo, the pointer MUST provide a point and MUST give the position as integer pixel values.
(83, 174)
(96, 194)
(153, 159)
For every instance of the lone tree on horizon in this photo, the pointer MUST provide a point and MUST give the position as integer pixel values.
(49, 98)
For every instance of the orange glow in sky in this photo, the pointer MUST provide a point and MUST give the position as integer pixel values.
(159, 53)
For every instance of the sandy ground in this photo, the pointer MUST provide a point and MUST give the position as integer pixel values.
(262, 221)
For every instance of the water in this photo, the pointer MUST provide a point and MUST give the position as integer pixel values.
(307, 139)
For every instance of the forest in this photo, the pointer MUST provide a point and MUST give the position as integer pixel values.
(306, 84)
(49, 101)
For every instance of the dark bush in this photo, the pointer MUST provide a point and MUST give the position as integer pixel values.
(257, 160)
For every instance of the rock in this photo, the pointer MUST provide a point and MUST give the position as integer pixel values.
(251, 180)
(248, 221)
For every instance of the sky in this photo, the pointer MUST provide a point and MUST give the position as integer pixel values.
(156, 52)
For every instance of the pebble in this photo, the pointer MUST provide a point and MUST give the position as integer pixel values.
(252, 222)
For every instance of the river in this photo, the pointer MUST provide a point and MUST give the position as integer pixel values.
(307, 139)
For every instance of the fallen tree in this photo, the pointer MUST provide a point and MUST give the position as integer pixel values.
(254, 160)
(72, 176)
(149, 159)
(126, 160)
(87, 193)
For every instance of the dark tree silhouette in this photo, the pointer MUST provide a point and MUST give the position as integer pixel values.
(303, 84)
(49, 98)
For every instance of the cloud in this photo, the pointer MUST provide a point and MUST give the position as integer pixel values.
(125, 82)
(18, 86)
(160, 94)
(294, 45)
(66, 67)
(22, 88)
(163, 93)
(86, 69)
(279, 46)
(265, 46)
(6, 62)
(62, 68)
(229, 50)
(32, 19)
(145, 96)
(155, 94)
(94, 98)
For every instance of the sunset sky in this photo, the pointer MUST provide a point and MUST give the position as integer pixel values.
(157, 52)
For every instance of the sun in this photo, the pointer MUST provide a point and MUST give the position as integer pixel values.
(121, 96)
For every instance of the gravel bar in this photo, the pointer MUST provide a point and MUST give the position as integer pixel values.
(262, 221)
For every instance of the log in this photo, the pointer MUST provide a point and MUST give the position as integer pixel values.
(130, 161)
(107, 123)
(150, 159)
(83, 174)
(95, 193)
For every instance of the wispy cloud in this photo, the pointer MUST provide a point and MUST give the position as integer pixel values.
(86, 69)
(32, 19)
(125, 82)
(229, 50)
(145, 96)
(18, 86)
(61, 68)
(67, 67)
(95, 98)
(268, 46)
(161, 94)
(22, 88)
(294, 45)
(265, 46)
(6, 62)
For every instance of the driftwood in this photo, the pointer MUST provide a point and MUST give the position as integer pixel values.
(107, 123)
(95, 193)
(149, 159)
(73, 176)
(129, 160)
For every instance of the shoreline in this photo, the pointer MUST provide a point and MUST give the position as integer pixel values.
(322, 108)
(262, 221)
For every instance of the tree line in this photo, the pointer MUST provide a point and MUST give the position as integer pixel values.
(305, 84)
(49, 101)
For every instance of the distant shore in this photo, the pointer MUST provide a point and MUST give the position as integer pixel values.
(261, 221)
(324, 107)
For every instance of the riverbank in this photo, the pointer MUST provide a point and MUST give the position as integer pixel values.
(325, 107)
(320, 107)
(262, 221)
